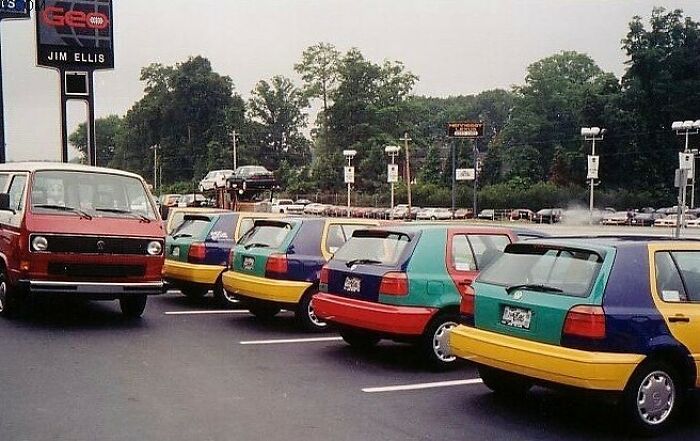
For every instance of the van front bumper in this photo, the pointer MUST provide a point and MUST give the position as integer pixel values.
(571, 367)
(92, 290)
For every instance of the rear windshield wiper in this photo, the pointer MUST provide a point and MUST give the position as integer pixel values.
(533, 287)
(80, 213)
(178, 236)
(362, 262)
(256, 245)
(127, 212)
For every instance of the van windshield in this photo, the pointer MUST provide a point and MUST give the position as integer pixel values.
(99, 194)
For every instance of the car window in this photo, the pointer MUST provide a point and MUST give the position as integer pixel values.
(462, 255)
(266, 236)
(16, 192)
(384, 248)
(223, 230)
(335, 238)
(4, 177)
(195, 228)
(487, 248)
(688, 263)
(668, 280)
(246, 225)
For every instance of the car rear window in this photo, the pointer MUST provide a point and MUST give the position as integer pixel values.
(381, 248)
(571, 271)
(223, 229)
(477, 251)
(268, 235)
(192, 227)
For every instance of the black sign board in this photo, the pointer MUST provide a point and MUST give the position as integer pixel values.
(465, 130)
(14, 9)
(75, 34)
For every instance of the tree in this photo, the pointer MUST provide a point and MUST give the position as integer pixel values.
(277, 105)
(319, 70)
(431, 171)
(525, 165)
(107, 131)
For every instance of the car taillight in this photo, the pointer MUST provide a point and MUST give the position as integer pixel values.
(276, 265)
(197, 253)
(394, 284)
(585, 322)
(466, 305)
(323, 279)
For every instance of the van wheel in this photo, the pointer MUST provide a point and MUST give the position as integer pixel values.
(434, 344)
(306, 316)
(359, 340)
(652, 398)
(9, 303)
(133, 306)
(263, 312)
(504, 383)
(194, 291)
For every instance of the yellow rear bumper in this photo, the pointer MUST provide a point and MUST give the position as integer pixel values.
(571, 367)
(283, 291)
(192, 273)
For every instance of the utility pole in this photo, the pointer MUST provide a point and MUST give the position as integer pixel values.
(406, 140)
(454, 179)
(155, 166)
(593, 134)
(475, 206)
(235, 150)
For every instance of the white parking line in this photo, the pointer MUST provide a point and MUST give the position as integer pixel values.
(291, 340)
(419, 386)
(232, 311)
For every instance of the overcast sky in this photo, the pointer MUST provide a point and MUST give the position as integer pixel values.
(454, 46)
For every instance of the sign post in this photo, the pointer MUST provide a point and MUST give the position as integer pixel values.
(472, 131)
(9, 9)
(76, 37)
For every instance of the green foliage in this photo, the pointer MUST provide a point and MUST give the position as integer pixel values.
(107, 131)
(319, 70)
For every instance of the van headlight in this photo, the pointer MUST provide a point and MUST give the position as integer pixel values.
(155, 248)
(40, 244)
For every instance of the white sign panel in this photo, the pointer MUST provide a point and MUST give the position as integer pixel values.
(593, 166)
(393, 173)
(349, 175)
(466, 174)
(687, 162)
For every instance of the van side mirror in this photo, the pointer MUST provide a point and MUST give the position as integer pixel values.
(5, 202)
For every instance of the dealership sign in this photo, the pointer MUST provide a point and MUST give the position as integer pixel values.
(75, 34)
(465, 130)
(14, 9)
(466, 174)
(393, 173)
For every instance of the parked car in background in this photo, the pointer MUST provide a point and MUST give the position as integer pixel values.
(672, 220)
(251, 177)
(78, 232)
(303, 202)
(464, 213)
(197, 252)
(400, 212)
(169, 200)
(693, 223)
(192, 200)
(390, 283)
(315, 209)
(522, 214)
(434, 214)
(549, 216)
(646, 219)
(215, 179)
(286, 206)
(616, 316)
(278, 263)
(618, 218)
(487, 215)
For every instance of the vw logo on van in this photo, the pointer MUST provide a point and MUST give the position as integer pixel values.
(101, 245)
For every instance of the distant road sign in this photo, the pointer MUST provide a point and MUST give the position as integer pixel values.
(465, 130)
(393, 173)
(593, 166)
(14, 9)
(349, 175)
(466, 174)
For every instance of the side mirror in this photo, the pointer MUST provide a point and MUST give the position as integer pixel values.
(5, 202)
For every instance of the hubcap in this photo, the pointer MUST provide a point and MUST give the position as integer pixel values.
(441, 342)
(656, 397)
(3, 295)
(229, 297)
(314, 318)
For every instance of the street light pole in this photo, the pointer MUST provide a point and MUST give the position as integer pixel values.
(406, 140)
(235, 150)
(688, 128)
(393, 152)
(593, 134)
(349, 155)
(155, 166)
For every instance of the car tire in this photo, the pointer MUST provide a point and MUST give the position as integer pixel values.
(360, 340)
(655, 384)
(223, 297)
(263, 311)
(434, 343)
(9, 301)
(306, 316)
(504, 383)
(133, 306)
(194, 291)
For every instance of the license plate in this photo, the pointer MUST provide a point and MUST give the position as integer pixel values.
(352, 285)
(516, 317)
(248, 263)
(175, 252)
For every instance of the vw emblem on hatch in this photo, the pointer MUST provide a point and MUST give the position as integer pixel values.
(101, 245)
(518, 296)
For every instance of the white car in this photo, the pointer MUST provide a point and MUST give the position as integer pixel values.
(286, 206)
(215, 179)
(315, 209)
(672, 220)
(434, 214)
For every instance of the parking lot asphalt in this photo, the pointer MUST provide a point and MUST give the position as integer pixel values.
(79, 371)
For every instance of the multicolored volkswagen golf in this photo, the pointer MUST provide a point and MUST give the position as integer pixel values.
(615, 315)
(197, 252)
(404, 282)
(278, 263)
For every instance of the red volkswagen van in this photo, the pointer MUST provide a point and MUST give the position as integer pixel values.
(78, 231)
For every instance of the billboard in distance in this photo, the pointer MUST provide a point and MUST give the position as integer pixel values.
(75, 34)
